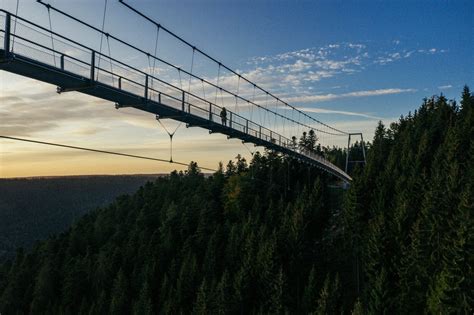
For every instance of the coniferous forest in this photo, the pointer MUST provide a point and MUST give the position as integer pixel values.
(272, 236)
(33, 208)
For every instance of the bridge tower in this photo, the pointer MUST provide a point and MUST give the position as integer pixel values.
(362, 144)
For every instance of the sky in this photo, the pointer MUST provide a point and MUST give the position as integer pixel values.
(349, 64)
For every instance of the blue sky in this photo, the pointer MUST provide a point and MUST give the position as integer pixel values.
(348, 63)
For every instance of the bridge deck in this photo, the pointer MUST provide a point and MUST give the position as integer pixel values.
(135, 88)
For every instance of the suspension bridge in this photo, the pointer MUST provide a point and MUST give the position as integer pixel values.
(227, 102)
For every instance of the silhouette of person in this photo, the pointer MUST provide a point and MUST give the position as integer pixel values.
(224, 116)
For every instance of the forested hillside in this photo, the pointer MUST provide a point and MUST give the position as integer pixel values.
(408, 216)
(273, 237)
(31, 209)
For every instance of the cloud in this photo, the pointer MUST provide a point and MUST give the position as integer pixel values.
(39, 109)
(390, 56)
(311, 64)
(293, 74)
(330, 97)
(90, 130)
(338, 112)
(445, 87)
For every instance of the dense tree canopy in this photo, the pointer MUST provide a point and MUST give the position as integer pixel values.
(274, 236)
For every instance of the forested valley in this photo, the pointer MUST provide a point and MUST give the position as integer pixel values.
(31, 209)
(273, 236)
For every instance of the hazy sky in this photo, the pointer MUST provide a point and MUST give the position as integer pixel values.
(347, 63)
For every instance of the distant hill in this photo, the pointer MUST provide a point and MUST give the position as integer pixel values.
(33, 208)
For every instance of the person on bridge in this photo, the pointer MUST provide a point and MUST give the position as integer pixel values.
(224, 116)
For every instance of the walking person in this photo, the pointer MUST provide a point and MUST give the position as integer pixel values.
(224, 116)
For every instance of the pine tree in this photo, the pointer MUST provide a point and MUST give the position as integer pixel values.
(44, 290)
(186, 283)
(222, 295)
(378, 295)
(311, 141)
(274, 301)
(74, 284)
(119, 294)
(303, 143)
(144, 304)
(241, 164)
(358, 309)
(310, 293)
(375, 269)
(200, 305)
(328, 301)
(412, 274)
(101, 306)
(231, 168)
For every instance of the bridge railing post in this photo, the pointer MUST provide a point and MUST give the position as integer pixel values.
(120, 83)
(210, 111)
(182, 101)
(230, 120)
(61, 61)
(92, 75)
(6, 39)
(159, 97)
(145, 95)
(247, 126)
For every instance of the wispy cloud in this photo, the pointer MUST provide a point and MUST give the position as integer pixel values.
(330, 97)
(397, 54)
(293, 75)
(445, 87)
(337, 112)
(301, 68)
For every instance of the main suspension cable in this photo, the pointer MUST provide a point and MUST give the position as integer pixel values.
(102, 151)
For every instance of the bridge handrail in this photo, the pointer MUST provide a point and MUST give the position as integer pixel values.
(200, 78)
(125, 66)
